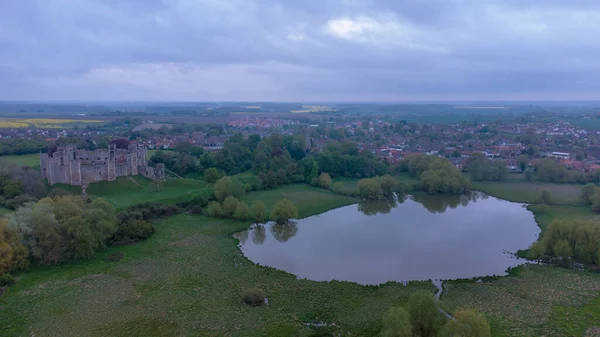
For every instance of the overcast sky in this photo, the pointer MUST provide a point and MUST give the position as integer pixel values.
(292, 50)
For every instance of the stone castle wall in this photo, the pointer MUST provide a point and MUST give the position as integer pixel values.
(69, 165)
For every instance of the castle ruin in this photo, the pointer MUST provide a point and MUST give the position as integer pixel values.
(69, 165)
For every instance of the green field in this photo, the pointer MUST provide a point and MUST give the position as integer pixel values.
(529, 192)
(32, 160)
(309, 200)
(123, 192)
(187, 279)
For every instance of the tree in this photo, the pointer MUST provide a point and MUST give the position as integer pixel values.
(528, 173)
(595, 200)
(241, 211)
(211, 175)
(325, 180)
(389, 186)
(545, 197)
(339, 188)
(259, 211)
(78, 239)
(369, 189)
(425, 318)
(396, 323)
(229, 206)
(467, 323)
(228, 186)
(214, 209)
(523, 162)
(13, 254)
(283, 211)
(586, 193)
(64, 228)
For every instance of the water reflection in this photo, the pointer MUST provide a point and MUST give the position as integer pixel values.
(259, 234)
(422, 238)
(283, 232)
(383, 206)
(440, 203)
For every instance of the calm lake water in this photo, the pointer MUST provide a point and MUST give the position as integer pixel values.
(421, 238)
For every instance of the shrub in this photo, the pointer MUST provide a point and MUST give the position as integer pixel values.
(396, 323)
(58, 192)
(254, 297)
(6, 279)
(325, 180)
(229, 206)
(132, 230)
(214, 209)
(467, 323)
(259, 211)
(241, 211)
(545, 197)
(425, 318)
(211, 175)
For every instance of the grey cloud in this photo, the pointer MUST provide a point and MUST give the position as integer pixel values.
(295, 50)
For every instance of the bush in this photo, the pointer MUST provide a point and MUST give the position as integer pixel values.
(211, 175)
(132, 230)
(545, 197)
(425, 318)
(325, 180)
(396, 323)
(241, 211)
(229, 206)
(254, 297)
(58, 192)
(259, 211)
(6, 279)
(214, 209)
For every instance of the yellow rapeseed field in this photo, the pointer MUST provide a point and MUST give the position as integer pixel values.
(42, 122)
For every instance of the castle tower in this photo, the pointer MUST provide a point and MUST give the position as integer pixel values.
(111, 162)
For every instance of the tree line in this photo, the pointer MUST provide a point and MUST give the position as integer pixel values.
(436, 175)
(19, 185)
(567, 241)
(66, 229)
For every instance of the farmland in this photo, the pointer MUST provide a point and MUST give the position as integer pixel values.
(46, 123)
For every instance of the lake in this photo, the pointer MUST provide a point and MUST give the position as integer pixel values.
(419, 238)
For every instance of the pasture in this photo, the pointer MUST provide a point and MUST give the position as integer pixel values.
(31, 160)
(125, 191)
(309, 200)
(529, 192)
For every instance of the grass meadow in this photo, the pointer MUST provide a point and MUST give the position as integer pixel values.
(187, 280)
(125, 192)
(31, 160)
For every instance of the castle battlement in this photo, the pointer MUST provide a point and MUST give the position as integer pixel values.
(69, 165)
